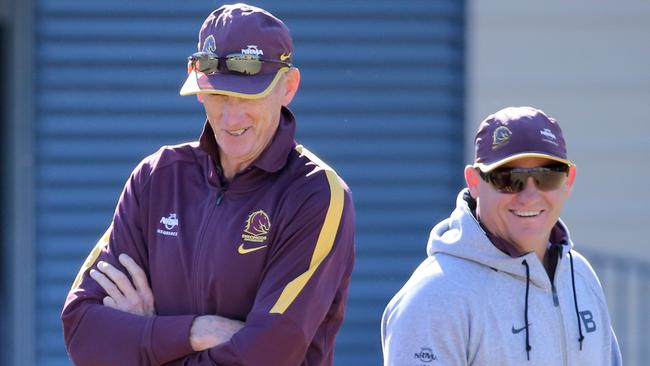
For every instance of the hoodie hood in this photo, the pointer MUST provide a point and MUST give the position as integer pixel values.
(461, 235)
(490, 308)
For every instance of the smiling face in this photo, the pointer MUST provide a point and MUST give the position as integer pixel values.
(243, 128)
(524, 219)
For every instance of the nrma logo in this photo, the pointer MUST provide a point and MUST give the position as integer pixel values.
(252, 50)
(425, 355)
(547, 132)
(170, 223)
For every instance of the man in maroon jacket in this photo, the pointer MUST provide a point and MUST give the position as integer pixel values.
(233, 250)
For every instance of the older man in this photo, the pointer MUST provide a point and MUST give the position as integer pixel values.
(234, 250)
(502, 284)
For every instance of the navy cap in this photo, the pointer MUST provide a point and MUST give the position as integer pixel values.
(241, 29)
(518, 132)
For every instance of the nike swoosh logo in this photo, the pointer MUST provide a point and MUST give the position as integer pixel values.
(285, 56)
(517, 331)
(242, 250)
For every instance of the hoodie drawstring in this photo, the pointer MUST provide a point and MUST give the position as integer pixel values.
(528, 347)
(575, 302)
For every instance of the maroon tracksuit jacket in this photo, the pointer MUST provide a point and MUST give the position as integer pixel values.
(274, 248)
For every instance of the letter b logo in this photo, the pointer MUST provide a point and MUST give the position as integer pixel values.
(588, 321)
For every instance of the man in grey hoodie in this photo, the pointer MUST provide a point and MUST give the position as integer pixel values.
(502, 284)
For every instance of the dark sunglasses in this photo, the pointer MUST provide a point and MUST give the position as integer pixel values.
(209, 63)
(513, 180)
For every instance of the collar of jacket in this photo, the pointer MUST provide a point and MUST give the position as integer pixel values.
(558, 237)
(273, 158)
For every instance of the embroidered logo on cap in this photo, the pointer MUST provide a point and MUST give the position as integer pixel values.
(501, 136)
(252, 50)
(549, 136)
(209, 45)
(285, 56)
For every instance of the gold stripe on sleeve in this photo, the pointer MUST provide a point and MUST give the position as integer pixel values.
(325, 238)
(92, 257)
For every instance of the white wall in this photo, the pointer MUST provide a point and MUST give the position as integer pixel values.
(587, 64)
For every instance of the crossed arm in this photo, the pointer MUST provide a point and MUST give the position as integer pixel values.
(306, 282)
(136, 298)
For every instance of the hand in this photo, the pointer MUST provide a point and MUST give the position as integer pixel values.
(122, 294)
(211, 330)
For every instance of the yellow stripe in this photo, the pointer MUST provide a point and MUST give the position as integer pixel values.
(325, 238)
(488, 167)
(92, 257)
(191, 87)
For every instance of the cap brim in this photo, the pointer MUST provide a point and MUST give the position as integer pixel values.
(242, 86)
(488, 167)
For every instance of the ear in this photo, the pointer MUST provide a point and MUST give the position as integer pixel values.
(472, 179)
(291, 82)
(572, 178)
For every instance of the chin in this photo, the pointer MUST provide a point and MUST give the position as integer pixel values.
(526, 240)
(236, 150)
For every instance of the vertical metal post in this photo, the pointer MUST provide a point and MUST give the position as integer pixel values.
(20, 180)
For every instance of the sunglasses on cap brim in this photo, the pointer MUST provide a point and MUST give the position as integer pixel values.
(210, 63)
(514, 180)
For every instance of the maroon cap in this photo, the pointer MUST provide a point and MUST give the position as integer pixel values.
(241, 29)
(518, 132)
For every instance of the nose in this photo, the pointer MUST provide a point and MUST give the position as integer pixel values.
(232, 112)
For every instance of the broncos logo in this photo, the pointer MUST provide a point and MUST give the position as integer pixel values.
(258, 224)
(500, 136)
(209, 45)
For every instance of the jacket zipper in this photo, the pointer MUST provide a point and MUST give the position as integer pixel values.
(556, 302)
(198, 253)
(220, 196)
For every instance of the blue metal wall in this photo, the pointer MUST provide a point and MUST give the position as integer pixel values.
(381, 100)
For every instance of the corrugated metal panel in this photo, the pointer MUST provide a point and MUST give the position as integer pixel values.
(381, 100)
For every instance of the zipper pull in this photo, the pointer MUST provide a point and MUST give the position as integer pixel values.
(558, 250)
(220, 196)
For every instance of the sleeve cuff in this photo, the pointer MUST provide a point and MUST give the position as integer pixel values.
(170, 337)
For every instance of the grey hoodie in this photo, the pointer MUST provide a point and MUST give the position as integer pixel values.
(467, 304)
